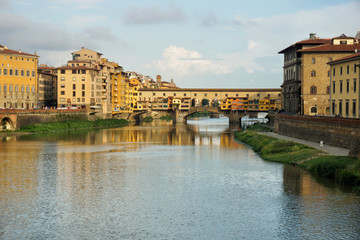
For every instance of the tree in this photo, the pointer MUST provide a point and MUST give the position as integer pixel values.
(205, 102)
(215, 104)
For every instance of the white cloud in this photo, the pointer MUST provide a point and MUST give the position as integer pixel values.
(180, 61)
(154, 14)
(78, 4)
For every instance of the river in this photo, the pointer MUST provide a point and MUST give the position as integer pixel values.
(162, 181)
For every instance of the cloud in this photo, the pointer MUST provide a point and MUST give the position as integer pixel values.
(154, 14)
(83, 21)
(100, 33)
(210, 20)
(5, 5)
(78, 4)
(180, 61)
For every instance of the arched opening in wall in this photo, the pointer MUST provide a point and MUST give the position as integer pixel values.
(327, 111)
(215, 102)
(194, 102)
(6, 125)
(313, 110)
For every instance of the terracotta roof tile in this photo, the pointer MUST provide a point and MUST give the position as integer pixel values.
(76, 68)
(331, 48)
(357, 55)
(9, 51)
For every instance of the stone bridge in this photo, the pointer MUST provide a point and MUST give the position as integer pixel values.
(182, 115)
(11, 120)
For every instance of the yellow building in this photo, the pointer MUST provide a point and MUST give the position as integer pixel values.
(345, 86)
(18, 79)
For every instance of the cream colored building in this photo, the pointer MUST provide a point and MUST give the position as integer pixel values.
(315, 73)
(345, 86)
(18, 79)
(85, 82)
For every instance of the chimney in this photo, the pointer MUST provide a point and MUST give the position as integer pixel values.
(312, 35)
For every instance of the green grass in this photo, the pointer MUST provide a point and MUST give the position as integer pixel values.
(200, 114)
(148, 119)
(259, 127)
(342, 169)
(73, 124)
(166, 118)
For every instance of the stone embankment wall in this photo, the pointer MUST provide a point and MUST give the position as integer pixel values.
(340, 132)
(45, 116)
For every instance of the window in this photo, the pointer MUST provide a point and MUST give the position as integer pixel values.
(62, 71)
(205, 94)
(62, 85)
(333, 87)
(62, 99)
(347, 107)
(10, 88)
(313, 110)
(330, 59)
(347, 85)
(333, 71)
(74, 78)
(62, 79)
(78, 99)
(153, 94)
(340, 70)
(27, 88)
(194, 94)
(22, 72)
(16, 72)
(11, 72)
(83, 79)
(340, 86)
(313, 60)
(347, 69)
(83, 86)
(313, 73)
(184, 94)
(5, 71)
(33, 88)
(355, 67)
(164, 94)
(73, 71)
(74, 86)
(33, 73)
(329, 73)
(83, 71)
(354, 84)
(333, 107)
(354, 108)
(62, 92)
(83, 93)
(340, 107)
(313, 90)
(174, 94)
(74, 94)
(22, 88)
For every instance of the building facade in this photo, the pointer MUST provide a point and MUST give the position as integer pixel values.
(18, 79)
(345, 87)
(315, 73)
(47, 87)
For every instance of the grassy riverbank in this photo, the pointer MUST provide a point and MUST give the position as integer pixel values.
(344, 170)
(73, 124)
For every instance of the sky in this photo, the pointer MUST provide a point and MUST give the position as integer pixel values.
(198, 43)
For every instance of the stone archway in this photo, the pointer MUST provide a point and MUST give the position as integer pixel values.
(6, 124)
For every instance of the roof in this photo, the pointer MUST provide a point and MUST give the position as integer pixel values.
(9, 51)
(331, 48)
(317, 41)
(76, 67)
(210, 89)
(347, 58)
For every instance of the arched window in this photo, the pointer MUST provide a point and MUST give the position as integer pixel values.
(16, 88)
(10, 88)
(27, 88)
(313, 90)
(313, 110)
(313, 73)
(22, 88)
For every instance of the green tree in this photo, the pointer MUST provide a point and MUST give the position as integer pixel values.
(205, 102)
(215, 104)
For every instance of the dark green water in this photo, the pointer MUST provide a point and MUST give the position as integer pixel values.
(162, 181)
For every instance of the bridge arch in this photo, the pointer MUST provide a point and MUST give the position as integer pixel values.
(7, 124)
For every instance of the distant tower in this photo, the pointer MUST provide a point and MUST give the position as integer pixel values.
(158, 80)
(358, 35)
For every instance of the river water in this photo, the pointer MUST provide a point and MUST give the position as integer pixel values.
(162, 181)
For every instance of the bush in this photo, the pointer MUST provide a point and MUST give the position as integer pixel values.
(166, 118)
(346, 177)
(148, 119)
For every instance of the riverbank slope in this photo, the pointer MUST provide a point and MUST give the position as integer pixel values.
(342, 169)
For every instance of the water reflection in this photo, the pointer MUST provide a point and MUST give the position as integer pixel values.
(162, 181)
